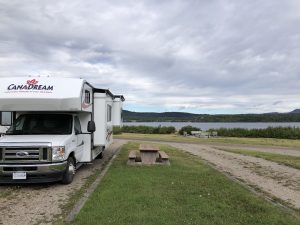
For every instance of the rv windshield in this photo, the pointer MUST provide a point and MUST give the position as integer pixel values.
(42, 124)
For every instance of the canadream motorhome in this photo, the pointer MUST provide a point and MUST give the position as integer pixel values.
(57, 125)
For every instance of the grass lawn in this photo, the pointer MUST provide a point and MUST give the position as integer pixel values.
(229, 140)
(292, 161)
(187, 192)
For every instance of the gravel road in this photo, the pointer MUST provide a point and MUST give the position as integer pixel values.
(43, 203)
(277, 150)
(278, 181)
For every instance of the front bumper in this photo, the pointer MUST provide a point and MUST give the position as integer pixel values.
(35, 173)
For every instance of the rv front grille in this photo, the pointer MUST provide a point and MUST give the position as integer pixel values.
(45, 153)
(25, 154)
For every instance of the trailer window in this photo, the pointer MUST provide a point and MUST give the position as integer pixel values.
(121, 114)
(108, 113)
(87, 97)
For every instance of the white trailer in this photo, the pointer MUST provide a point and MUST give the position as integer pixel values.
(58, 124)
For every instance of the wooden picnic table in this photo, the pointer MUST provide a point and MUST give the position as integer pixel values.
(149, 153)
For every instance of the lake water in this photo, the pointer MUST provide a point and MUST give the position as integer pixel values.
(206, 126)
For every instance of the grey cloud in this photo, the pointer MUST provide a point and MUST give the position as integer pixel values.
(220, 54)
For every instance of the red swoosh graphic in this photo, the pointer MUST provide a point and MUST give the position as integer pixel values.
(85, 106)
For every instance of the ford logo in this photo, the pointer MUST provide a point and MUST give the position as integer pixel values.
(22, 154)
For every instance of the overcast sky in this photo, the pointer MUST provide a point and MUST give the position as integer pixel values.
(216, 56)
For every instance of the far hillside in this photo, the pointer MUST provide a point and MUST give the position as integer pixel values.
(129, 116)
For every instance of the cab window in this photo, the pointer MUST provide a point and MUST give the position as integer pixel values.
(77, 126)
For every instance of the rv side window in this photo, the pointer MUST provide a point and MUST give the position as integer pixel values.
(6, 118)
(87, 97)
(108, 113)
(77, 126)
(121, 114)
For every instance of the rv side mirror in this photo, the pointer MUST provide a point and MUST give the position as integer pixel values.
(91, 127)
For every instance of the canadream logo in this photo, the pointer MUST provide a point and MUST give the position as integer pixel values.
(30, 85)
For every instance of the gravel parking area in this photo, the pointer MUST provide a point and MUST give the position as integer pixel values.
(43, 203)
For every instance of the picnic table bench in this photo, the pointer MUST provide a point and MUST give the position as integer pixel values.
(132, 157)
(163, 157)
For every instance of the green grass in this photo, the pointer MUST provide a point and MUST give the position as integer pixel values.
(73, 199)
(226, 140)
(187, 192)
(288, 160)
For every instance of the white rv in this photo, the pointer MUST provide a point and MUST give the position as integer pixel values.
(57, 125)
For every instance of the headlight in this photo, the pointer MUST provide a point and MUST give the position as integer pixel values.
(58, 153)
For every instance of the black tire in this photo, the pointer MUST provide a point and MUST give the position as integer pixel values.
(70, 171)
(100, 156)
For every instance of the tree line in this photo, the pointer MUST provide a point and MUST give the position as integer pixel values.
(190, 117)
(270, 132)
(144, 130)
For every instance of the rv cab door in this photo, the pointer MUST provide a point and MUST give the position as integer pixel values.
(79, 140)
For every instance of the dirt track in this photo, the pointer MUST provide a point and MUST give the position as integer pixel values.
(43, 203)
(276, 150)
(278, 181)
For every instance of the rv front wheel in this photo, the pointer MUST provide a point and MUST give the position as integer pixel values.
(100, 156)
(70, 171)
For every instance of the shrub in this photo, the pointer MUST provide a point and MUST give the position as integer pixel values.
(188, 129)
(117, 130)
(148, 129)
(167, 130)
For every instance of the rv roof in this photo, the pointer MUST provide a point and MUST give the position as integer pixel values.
(40, 87)
(40, 93)
(44, 93)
